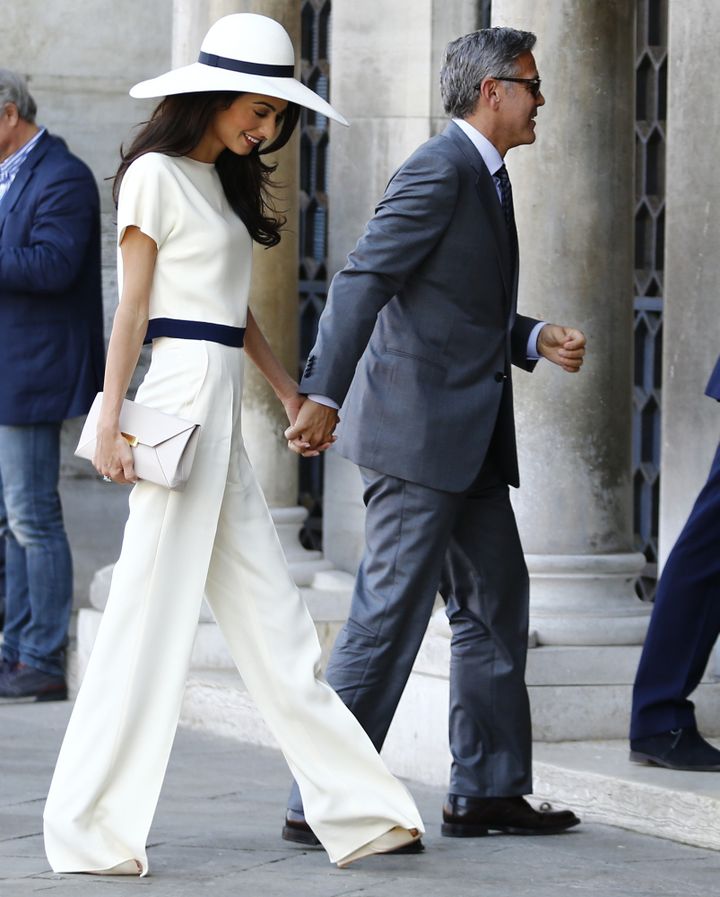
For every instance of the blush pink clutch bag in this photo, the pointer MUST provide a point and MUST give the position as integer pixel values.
(163, 446)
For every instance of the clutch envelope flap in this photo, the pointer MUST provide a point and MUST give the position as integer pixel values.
(150, 426)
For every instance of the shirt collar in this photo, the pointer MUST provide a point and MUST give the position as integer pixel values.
(9, 167)
(490, 156)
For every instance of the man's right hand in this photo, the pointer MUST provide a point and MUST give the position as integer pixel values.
(313, 429)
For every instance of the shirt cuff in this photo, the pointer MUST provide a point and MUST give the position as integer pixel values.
(324, 400)
(532, 352)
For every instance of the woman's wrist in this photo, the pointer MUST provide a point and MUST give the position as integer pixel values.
(108, 423)
(288, 391)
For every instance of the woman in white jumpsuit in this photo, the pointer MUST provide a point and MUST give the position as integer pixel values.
(186, 259)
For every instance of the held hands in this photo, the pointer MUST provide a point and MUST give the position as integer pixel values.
(113, 457)
(564, 346)
(311, 432)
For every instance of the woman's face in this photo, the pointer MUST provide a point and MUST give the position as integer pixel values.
(249, 121)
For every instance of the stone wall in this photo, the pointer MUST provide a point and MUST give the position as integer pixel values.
(691, 323)
(397, 109)
(80, 60)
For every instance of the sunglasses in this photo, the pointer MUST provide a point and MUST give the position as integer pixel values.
(532, 84)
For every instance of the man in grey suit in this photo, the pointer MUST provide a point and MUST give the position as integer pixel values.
(417, 342)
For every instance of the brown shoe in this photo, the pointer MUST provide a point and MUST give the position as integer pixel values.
(298, 831)
(473, 817)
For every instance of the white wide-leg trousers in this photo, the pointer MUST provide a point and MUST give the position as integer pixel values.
(215, 538)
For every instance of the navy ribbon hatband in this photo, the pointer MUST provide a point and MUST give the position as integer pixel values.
(179, 329)
(249, 68)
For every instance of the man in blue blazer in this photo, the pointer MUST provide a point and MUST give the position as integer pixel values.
(684, 626)
(51, 346)
(417, 342)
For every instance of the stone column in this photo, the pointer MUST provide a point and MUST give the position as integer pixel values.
(574, 203)
(397, 109)
(692, 269)
(274, 290)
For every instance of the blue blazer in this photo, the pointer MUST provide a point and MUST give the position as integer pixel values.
(51, 320)
(713, 387)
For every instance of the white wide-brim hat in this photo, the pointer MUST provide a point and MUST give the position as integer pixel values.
(246, 53)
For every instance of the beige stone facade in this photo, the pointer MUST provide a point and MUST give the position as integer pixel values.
(574, 199)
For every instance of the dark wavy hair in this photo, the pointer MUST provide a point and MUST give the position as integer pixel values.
(176, 127)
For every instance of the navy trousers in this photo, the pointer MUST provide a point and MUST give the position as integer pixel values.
(685, 621)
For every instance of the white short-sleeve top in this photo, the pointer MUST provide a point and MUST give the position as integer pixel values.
(204, 259)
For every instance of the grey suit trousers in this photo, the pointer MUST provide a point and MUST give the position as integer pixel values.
(418, 541)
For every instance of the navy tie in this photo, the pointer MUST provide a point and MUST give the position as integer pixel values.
(506, 199)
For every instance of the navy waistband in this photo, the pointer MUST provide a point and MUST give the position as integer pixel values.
(179, 329)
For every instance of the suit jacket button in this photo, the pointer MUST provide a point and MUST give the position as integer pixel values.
(499, 376)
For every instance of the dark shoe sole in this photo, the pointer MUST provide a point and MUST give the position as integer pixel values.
(412, 847)
(297, 836)
(458, 830)
(34, 699)
(59, 695)
(649, 760)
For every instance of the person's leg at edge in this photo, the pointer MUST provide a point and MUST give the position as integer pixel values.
(684, 626)
(38, 560)
(4, 666)
(485, 585)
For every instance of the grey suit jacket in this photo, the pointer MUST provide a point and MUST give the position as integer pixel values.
(420, 327)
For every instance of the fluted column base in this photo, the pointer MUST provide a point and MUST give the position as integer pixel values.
(586, 599)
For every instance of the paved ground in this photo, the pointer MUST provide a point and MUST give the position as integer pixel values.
(217, 832)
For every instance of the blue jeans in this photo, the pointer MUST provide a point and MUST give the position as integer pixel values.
(2, 552)
(38, 565)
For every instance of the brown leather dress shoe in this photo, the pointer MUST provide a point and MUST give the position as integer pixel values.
(298, 831)
(473, 817)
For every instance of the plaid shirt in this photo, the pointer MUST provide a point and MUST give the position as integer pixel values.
(10, 167)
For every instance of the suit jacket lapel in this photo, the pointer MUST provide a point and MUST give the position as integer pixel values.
(487, 195)
(713, 387)
(489, 199)
(24, 175)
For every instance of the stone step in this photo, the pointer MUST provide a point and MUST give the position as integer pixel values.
(595, 778)
(590, 712)
(210, 651)
(576, 694)
(602, 785)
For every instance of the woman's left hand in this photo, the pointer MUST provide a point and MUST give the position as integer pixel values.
(292, 405)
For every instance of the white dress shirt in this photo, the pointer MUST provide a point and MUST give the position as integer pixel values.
(9, 167)
(493, 162)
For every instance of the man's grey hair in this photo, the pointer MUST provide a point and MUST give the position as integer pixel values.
(481, 54)
(14, 89)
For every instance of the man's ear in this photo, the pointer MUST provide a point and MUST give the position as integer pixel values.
(489, 91)
(10, 114)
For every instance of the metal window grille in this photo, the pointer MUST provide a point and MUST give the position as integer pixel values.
(315, 52)
(650, 115)
(484, 13)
